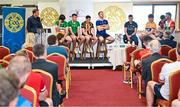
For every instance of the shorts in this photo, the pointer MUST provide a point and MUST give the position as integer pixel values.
(88, 34)
(104, 36)
(43, 104)
(157, 92)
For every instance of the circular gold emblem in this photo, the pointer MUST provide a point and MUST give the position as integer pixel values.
(115, 16)
(48, 16)
(14, 22)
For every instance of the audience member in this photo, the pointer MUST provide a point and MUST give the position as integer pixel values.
(161, 27)
(41, 63)
(102, 25)
(161, 90)
(170, 25)
(146, 63)
(89, 33)
(9, 89)
(176, 103)
(21, 66)
(54, 48)
(167, 41)
(74, 27)
(130, 29)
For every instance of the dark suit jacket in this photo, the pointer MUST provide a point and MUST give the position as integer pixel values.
(146, 66)
(168, 42)
(53, 70)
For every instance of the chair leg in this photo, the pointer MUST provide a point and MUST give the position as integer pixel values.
(131, 78)
(140, 85)
(124, 71)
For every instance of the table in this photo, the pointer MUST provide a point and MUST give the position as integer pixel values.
(117, 55)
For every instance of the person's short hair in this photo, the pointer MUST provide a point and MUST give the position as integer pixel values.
(39, 50)
(59, 36)
(100, 12)
(52, 39)
(178, 48)
(130, 15)
(74, 14)
(35, 10)
(87, 17)
(20, 65)
(162, 17)
(167, 35)
(155, 46)
(22, 53)
(9, 89)
(62, 17)
(169, 14)
(150, 16)
(147, 38)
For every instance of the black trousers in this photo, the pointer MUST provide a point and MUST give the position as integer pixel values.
(133, 38)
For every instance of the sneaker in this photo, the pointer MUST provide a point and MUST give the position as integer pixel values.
(79, 51)
(88, 50)
(76, 50)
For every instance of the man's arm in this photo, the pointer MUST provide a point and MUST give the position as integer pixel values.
(144, 69)
(162, 74)
(29, 25)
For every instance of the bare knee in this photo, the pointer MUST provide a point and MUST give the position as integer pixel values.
(49, 101)
(101, 39)
(176, 103)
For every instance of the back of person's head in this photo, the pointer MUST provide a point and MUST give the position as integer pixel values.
(155, 46)
(59, 38)
(52, 40)
(22, 53)
(147, 39)
(9, 89)
(150, 16)
(21, 66)
(178, 50)
(62, 17)
(39, 50)
(162, 17)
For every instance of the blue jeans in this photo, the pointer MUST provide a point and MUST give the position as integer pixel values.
(132, 38)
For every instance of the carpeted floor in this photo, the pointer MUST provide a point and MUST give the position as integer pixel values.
(100, 88)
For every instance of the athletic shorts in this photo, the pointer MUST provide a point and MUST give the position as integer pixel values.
(104, 36)
(157, 92)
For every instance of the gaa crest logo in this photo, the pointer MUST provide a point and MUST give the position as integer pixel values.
(14, 22)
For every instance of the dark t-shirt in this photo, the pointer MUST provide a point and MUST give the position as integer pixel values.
(130, 27)
(162, 24)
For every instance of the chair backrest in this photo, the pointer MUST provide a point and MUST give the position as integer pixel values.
(60, 60)
(30, 55)
(156, 67)
(174, 79)
(165, 49)
(9, 57)
(30, 94)
(4, 63)
(128, 51)
(4, 51)
(48, 80)
(134, 56)
(172, 54)
(29, 48)
(146, 56)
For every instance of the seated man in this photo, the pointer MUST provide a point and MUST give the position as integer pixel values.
(102, 25)
(170, 25)
(176, 103)
(9, 89)
(88, 32)
(161, 26)
(150, 27)
(62, 27)
(161, 90)
(21, 66)
(130, 29)
(167, 41)
(54, 48)
(154, 46)
(74, 28)
(41, 63)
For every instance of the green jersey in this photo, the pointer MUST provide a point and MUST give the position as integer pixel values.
(62, 25)
(74, 26)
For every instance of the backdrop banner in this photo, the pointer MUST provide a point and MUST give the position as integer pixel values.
(13, 25)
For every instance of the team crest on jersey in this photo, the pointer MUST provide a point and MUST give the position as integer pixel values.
(14, 22)
(48, 16)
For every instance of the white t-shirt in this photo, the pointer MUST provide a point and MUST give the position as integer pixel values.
(164, 75)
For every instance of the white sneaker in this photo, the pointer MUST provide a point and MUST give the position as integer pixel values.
(79, 51)
(88, 50)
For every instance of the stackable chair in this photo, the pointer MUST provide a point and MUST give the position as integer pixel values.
(63, 72)
(128, 52)
(174, 87)
(30, 55)
(98, 50)
(139, 80)
(48, 80)
(9, 57)
(172, 54)
(4, 63)
(4, 51)
(133, 69)
(30, 94)
(156, 67)
(165, 49)
(29, 48)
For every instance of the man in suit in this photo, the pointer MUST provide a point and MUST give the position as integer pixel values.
(167, 41)
(41, 63)
(154, 46)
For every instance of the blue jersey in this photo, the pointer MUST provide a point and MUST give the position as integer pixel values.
(99, 23)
